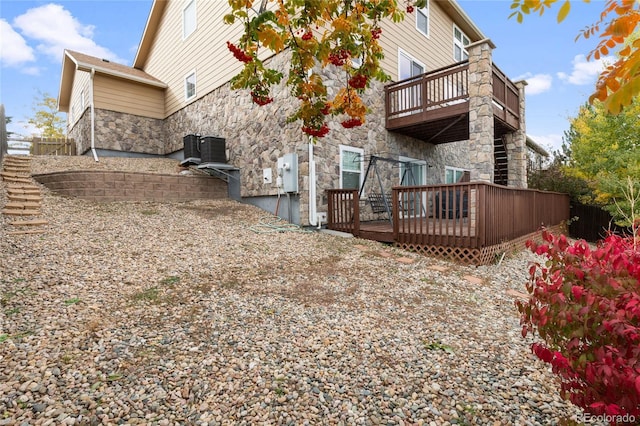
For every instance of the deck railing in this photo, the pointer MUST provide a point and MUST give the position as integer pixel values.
(447, 87)
(344, 211)
(472, 215)
(506, 98)
(429, 91)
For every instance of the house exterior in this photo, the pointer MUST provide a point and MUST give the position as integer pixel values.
(179, 85)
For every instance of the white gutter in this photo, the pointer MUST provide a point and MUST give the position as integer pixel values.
(93, 120)
(313, 208)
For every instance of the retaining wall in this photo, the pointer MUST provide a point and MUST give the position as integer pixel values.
(105, 186)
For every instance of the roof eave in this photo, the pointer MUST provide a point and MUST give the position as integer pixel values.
(153, 22)
(83, 66)
(463, 20)
(67, 75)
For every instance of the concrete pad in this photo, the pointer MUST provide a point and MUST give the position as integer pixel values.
(438, 268)
(517, 294)
(336, 233)
(473, 280)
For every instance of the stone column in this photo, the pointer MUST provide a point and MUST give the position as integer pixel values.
(516, 143)
(481, 129)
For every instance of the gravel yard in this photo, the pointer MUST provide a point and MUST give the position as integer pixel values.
(180, 313)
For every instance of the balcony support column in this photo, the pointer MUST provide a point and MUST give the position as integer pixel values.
(481, 127)
(516, 143)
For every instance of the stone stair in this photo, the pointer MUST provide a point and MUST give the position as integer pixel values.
(24, 198)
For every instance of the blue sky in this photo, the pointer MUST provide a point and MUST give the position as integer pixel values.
(34, 34)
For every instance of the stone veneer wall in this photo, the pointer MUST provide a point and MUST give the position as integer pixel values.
(105, 186)
(119, 132)
(256, 136)
(81, 132)
(481, 125)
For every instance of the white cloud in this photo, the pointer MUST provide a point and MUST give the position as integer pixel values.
(536, 84)
(585, 72)
(56, 29)
(14, 50)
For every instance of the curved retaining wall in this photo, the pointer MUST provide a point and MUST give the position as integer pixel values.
(105, 186)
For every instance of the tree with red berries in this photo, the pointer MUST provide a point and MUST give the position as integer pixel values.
(319, 34)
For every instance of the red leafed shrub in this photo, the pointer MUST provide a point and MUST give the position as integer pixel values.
(585, 305)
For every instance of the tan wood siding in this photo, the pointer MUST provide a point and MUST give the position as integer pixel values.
(128, 97)
(434, 52)
(81, 83)
(171, 58)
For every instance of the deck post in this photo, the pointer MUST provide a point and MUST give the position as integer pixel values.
(481, 127)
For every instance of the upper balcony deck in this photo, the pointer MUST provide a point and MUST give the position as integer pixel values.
(434, 107)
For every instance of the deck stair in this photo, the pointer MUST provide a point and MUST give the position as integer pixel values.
(501, 162)
(23, 207)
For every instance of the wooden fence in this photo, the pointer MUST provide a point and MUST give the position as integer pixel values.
(53, 146)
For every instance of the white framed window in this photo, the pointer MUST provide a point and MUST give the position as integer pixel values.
(351, 167)
(408, 66)
(453, 174)
(190, 86)
(422, 19)
(412, 171)
(189, 21)
(460, 43)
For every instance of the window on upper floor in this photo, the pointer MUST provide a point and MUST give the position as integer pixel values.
(422, 19)
(351, 167)
(460, 43)
(190, 86)
(408, 66)
(189, 22)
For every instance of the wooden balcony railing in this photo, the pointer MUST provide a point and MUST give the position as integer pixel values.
(506, 99)
(469, 215)
(428, 92)
(444, 93)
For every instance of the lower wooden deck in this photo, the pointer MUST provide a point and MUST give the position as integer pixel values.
(382, 230)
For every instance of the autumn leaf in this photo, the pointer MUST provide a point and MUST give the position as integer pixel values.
(270, 38)
(564, 11)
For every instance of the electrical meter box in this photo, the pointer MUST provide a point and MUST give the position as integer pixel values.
(288, 171)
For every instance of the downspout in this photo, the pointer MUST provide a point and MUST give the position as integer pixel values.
(313, 216)
(93, 120)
